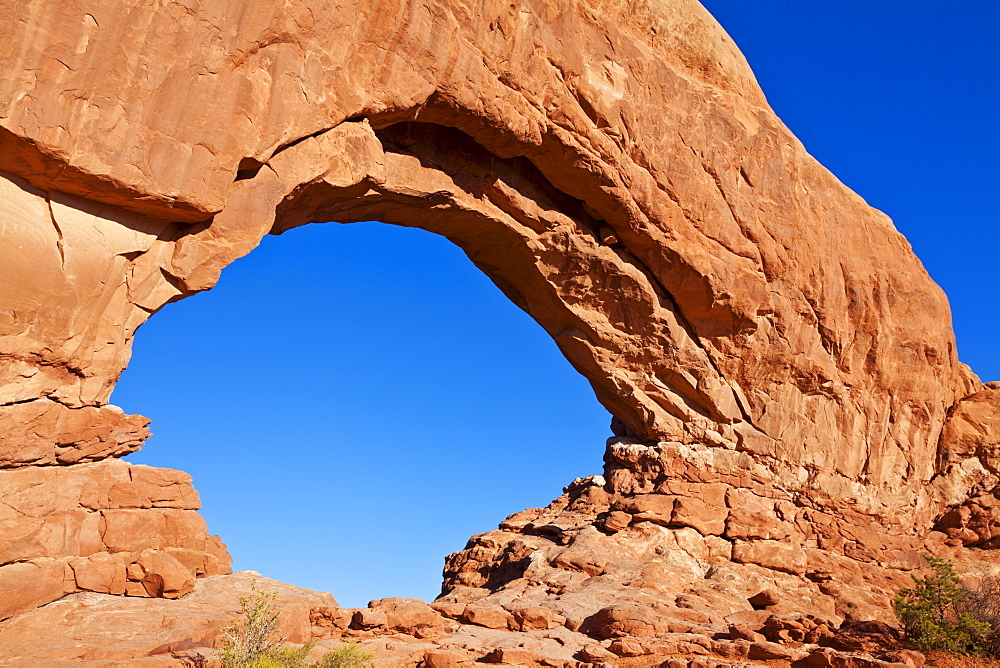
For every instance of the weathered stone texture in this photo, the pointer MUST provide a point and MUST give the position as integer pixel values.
(91, 629)
(790, 412)
(108, 527)
(43, 432)
(746, 297)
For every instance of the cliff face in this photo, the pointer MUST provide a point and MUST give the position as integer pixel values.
(768, 344)
(622, 179)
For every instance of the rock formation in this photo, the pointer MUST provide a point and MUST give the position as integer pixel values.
(792, 424)
(105, 527)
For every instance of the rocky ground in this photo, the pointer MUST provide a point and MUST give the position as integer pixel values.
(674, 557)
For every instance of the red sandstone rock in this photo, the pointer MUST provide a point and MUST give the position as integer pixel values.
(100, 628)
(536, 618)
(162, 576)
(772, 554)
(625, 620)
(776, 359)
(670, 254)
(105, 573)
(769, 651)
(616, 521)
(45, 432)
(410, 616)
(579, 560)
(742, 633)
(370, 619)
(908, 657)
(764, 599)
(93, 524)
(27, 585)
(444, 659)
(492, 617)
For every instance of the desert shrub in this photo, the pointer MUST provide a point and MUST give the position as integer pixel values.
(251, 641)
(252, 634)
(348, 656)
(982, 603)
(935, 612)
(284, 656)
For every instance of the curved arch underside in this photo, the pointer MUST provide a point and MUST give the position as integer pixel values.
(614, 169)
(789, 408)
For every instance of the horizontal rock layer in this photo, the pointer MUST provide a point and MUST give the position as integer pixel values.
(105, 527)
(44, 432)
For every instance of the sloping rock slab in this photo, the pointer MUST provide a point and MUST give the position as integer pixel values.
(90, 629)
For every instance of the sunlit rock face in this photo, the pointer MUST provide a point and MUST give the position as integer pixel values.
(612, 166)
(106, 527)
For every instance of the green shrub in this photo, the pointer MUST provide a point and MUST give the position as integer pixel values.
(935, 613)
(348, 656)
(251, 636)
(251, 641)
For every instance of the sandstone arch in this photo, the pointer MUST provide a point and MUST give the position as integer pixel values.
(737, 298)
(631, 190)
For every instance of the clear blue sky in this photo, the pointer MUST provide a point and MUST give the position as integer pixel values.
(355, 401)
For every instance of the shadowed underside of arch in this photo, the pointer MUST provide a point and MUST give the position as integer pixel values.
(622, 180)
(612, 167)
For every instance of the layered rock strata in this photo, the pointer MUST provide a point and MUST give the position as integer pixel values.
(793, 427)
(597, 578)
(105, 527)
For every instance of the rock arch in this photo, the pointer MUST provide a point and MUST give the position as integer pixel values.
(613, 167)
(745, 297)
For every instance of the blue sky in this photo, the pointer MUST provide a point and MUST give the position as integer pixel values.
(355, 401)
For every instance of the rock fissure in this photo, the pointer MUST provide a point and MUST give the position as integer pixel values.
(59, 243)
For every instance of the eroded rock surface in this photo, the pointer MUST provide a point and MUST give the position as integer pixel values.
(622, 179)
(106, 527)
(793, 427)
(92, 629)
(549, 588)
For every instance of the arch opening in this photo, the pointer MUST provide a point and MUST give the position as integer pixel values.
(756, 328)
(350, 389)
(588, 281)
